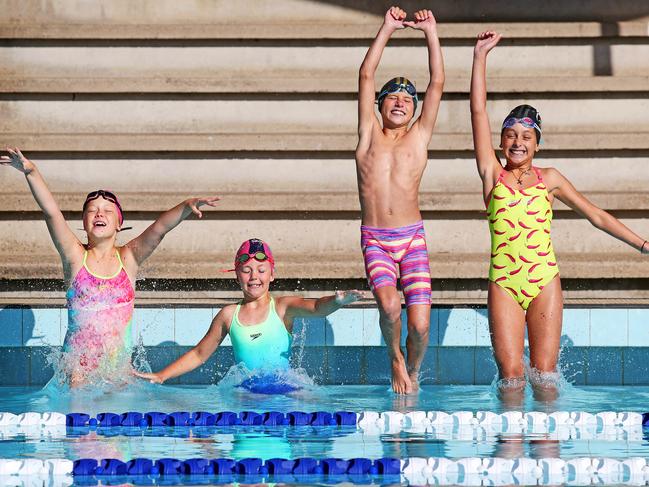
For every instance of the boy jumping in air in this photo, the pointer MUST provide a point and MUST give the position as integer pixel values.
(390, 160)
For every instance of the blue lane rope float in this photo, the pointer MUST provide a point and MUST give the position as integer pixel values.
(245, 467)
(387, 421)
(415, 470)
(347, 418)
(203, 418)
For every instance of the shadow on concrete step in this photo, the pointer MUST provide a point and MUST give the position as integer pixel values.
(603, 11)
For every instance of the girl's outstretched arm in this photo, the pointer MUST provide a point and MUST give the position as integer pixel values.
(291, 307)
(198, 355)
(143, 245)
(67, 244)
(394, 18)
(488, 165)
(565, 192)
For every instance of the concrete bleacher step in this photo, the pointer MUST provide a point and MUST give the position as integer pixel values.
(268, 19)
(326, 247)
(552, 68)
(288, 141)
(268, 204)
(299, 183)
(299, 83)
(294, 125)
(331, 266)
(316, 30)
(164, 294)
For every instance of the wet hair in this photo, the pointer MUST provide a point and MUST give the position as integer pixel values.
(525, 111)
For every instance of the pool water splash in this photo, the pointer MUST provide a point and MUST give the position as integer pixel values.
(267, 382)
(112, 374)
(533, 378)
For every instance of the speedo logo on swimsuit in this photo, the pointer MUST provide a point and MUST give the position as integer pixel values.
(255, 336)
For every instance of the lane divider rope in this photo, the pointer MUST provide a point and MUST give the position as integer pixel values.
(534, 421)
(433, 470)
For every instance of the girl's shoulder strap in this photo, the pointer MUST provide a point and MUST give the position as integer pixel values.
(537, 171)
(235, 314)
(119, 257)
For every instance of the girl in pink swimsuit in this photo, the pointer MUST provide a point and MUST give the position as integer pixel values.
(100, 277)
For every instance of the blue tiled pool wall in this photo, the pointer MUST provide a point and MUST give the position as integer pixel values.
(600, 346)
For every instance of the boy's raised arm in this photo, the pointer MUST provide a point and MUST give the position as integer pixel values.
(425, 21)
(65, 241)
(366, 84)
(144, 244)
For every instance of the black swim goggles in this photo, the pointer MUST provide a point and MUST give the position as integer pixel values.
(108, 196)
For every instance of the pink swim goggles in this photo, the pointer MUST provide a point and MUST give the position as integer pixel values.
(525, 122)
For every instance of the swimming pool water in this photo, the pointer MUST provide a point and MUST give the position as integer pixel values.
(294, 442)
(142, 395)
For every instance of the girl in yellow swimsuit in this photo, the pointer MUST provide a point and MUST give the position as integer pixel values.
(524, 287)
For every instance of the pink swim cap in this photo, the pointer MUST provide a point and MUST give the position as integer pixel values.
(254, 248)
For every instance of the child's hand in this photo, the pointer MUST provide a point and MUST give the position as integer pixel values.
(424, 21)
(195, 203)
(486, 42)
(394, 18)
(346, 297)
(150, 376)
(18, 160)
(645, 248)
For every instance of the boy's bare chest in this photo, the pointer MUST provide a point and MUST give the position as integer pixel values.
(392, 158)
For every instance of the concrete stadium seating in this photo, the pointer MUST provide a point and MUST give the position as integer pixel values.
(255, 101)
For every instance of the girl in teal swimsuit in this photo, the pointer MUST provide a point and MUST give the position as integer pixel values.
(260, 326)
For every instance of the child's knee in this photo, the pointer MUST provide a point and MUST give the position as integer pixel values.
(390, 308)
(512, 370)
(418, 329)
(544, 364)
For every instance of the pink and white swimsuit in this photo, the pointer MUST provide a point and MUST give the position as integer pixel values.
(97, 346)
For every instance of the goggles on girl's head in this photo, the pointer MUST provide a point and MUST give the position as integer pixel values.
(253, 248)
(108, 196)
(525, 122)
(395, 85)
(258, 256)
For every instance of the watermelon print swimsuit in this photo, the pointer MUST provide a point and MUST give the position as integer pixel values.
(522, 257)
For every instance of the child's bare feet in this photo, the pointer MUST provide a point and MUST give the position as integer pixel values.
(414, 380)
(401, 383)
